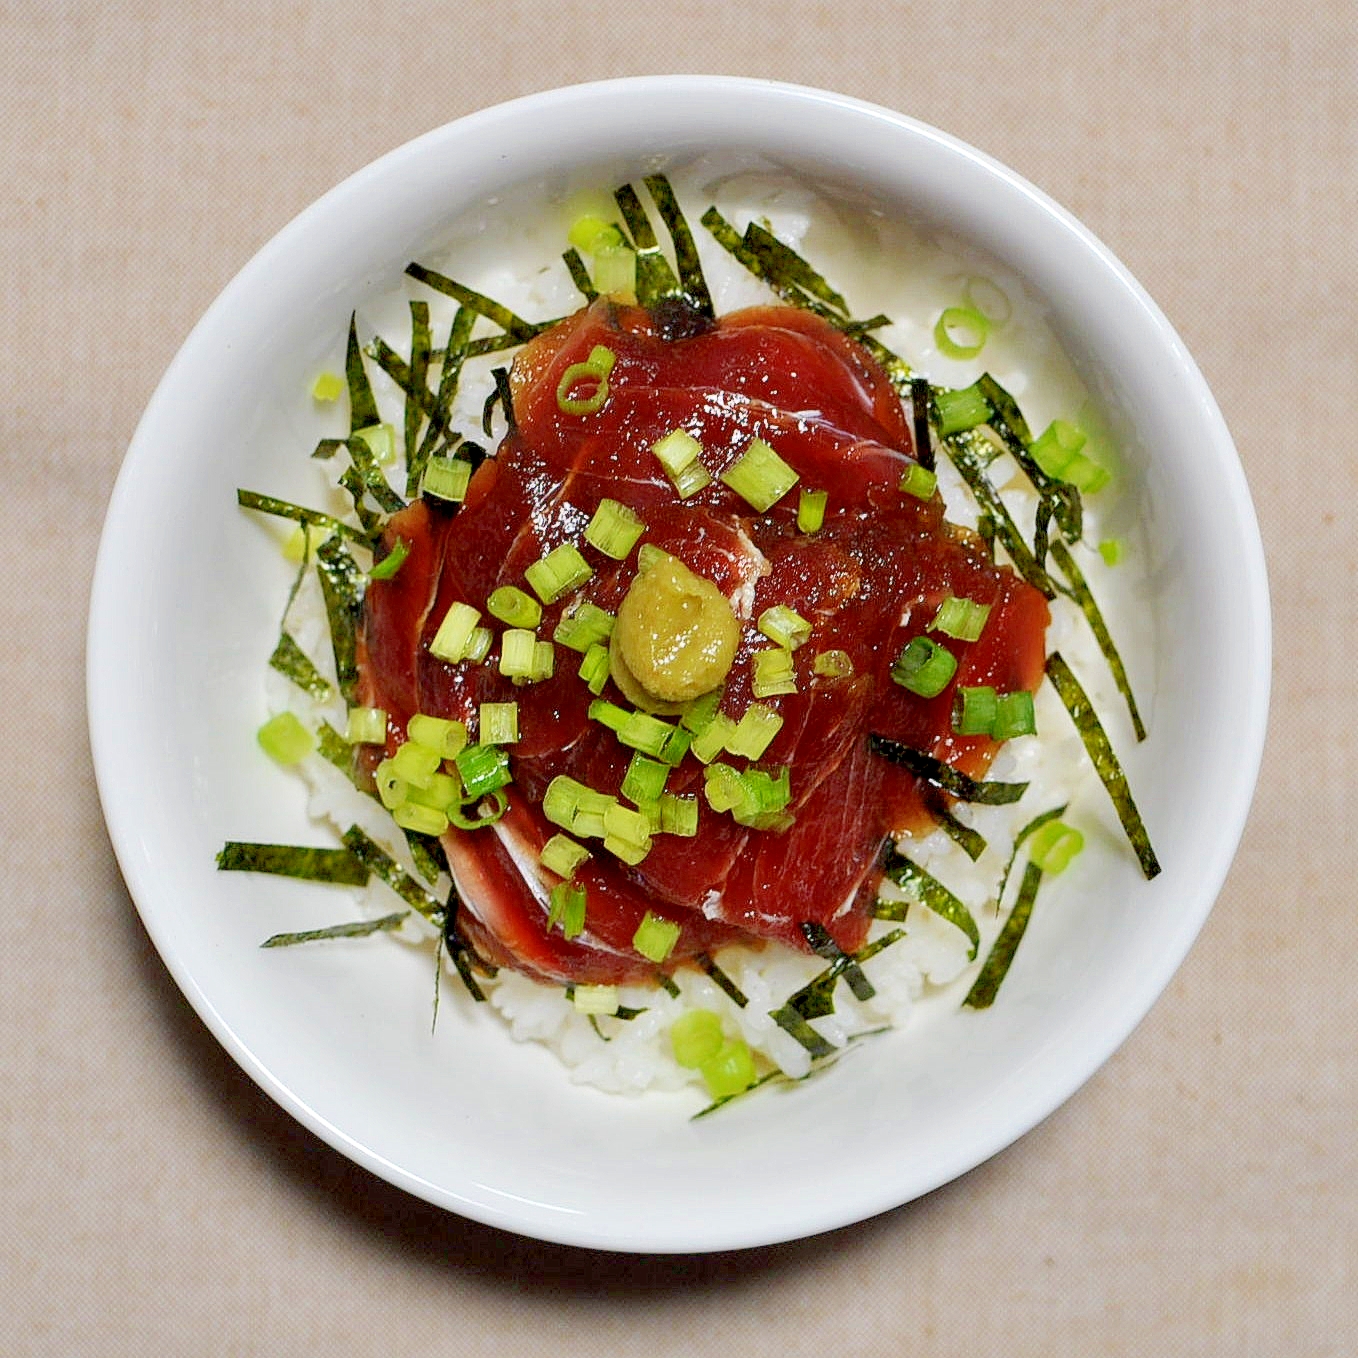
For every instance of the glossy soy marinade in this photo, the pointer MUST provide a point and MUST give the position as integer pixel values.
(868, 580)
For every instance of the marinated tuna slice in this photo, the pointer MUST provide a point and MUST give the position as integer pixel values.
(788, 824)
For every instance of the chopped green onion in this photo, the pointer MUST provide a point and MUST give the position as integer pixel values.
(381, 442)
(730, 1071)
(648, 555)
(516, 652)
(772, 672)
(962, 409)
(1112, 551)
(919, 481)
(594, 668)
(974, 710)
(594, 370)
(453, 637)
(514, 607)
(924, 667)
(327, 387)
(584, 626)
(655, 937)
(614, 529)
(646, 733)
(560, 571)
(392, 562)
(754, 732)
(567, 908)
(592, 233)
(1014, 716)
(483, 768)
(676, 746)
(964, 619)
(811, 510)
(1057, 451)
(479, 644)
(615, 271)
(715, 737)
(416, 763)
(499, 723)
(441, 792)
(961, 331)
(699, 713)
(392, 789)
(764, 799)
(284, 739)
(678, 815)
(644, 780)
(834, 664)
(695, 1037)
(784, 625)
(298, 545)
(446, 478)
(723, 787)
(563, 856)
(595, 999)
(544, 663)
(367, 726)
(759, 476)
(1054, 845)
(678, 453)
(424, 820)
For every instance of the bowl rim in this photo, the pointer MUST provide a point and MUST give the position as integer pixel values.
(102, 643)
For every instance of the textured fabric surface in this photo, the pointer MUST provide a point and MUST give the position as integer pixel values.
(1196, 1197)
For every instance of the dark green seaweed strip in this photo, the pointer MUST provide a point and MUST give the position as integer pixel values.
(575, 266)
(285, 509)
(383, 865)
(342, 590)
(970, 841)
(656, 281)
(721, 980)
(944, 776)
(691, 279)
(374, 481)
(454, 356)
(1036, 823)
(996, 966)
(1079, 591)
(326, 448)
(293, 860)
(335, 749)
(492, 310)
(667, 984)
(928, 891)
(504, 398)
(783, 264)
(817, 997)
(363, 411)
(495, 344)
(735, 245)
(415, 390)
(819, 941)
(463, 954)
(421, 351)
(969, 453)
(795, 1026)
(359, 928)
(1105, 762)
(292, 662)
(771, 1077)
(427, 854)
(919, 407)
(351, 479)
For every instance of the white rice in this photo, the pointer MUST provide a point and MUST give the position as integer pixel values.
(880, 265)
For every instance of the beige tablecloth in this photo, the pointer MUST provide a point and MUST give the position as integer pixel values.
(1198, 1196)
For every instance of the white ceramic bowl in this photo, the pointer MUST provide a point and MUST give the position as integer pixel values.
(184, 613)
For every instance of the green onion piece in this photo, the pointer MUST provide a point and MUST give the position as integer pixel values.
(615, 271)
(416, 763)
(759, 476)
(366, 726)
(392, 562)
(446, 478)
(752, 735)
(284, 739)
(361, 928)
(1105, 762)
(593, 371)
(561, 800)
(644, 780)
(723, 787)
(772, 672)
(627, 833)
(327, 387)
(608, 714)
(784, 626)
(479, 644)
(544, 663)
(1057, 451)
(1014, 716)
(424, 820)
(563, 856)
(440, 793)
(961, 331)
(678, 815)
(763, 801)
(513, 606)
(676, 746)
(646, 733)
(448, 738)
(595, 999)
(964, 619)
(292, 860)
(698, 714)
(614, 529)
(298, 545)
(560, 571)
(568, 905)
(499, 723)
(944, 776)
(928, 891)
(1112, 551)
(1054, 845)
(392, 788)
(715, 737)
(291, 661)
(655, 937)
(594, 668)
(962, 409)
(730, 1071)
(678, 453)
(834, 664)
(996, 966)
(649, 555)
(919, 481)
(811, 510)
(381, 442)
(974, 710)
(695, 1037)
(584, 626)
(483, 768)
(516, 652)
(592, 233)
(450, 642)
(924, 667)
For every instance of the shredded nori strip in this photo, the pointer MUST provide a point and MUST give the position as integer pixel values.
(421, 350)
(655, 279)
(996, 966)
(359, 928)
(342, 589)
(326, 448)
(691, 280)
(816, 998)
(335, 749)
(427, 853)
(417, 394)
(928, 891)
(454, 355)
(285, 509)
(819, 941)
(783, 263)
(379, 862)
(293, 860)
(463, 954)
(919, 406)
(504, 398)
(721, 980)
(1079, 591)
(352, 480)
(970, 841)
(667, 984)
(795, 1026)
(575, 266)
(493, 311)
(363, 411)
(374, 481)
(292, 662)
(1036, 823)
(1105, 762)
(944, 776)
